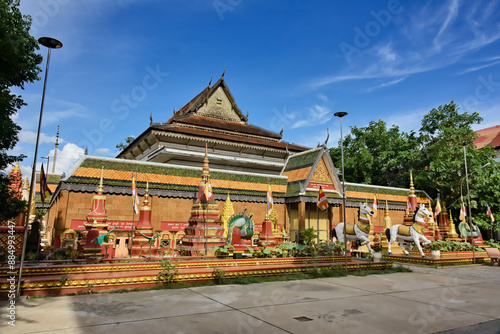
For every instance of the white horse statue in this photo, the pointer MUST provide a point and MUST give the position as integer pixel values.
(359, 231)
(414, 233)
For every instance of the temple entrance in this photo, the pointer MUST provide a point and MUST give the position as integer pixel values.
(313, 218)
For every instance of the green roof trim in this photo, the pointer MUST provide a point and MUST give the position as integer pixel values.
(175, 171)
(51, 178)
(381, 190)
(293, 189)
(301, 160)
(175, 187)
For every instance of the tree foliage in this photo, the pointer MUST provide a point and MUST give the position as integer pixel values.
(378, 155)
(18, 66)
(121, 146)
(381, 156)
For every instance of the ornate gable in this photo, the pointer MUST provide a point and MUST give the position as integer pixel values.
(219, 106)
(214, 101)
(321, 174)
(310, 170)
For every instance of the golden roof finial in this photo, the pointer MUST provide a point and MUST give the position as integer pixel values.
(100, 190)
(206, 171)
(146, 194)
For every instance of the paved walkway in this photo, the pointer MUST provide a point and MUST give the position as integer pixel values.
(451, 300)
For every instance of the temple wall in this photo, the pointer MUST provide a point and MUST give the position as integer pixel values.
(76, 205)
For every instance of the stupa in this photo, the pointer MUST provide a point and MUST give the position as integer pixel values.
(205, 229)
(96, 223)
(144, 231)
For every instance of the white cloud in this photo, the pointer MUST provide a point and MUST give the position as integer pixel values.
(323, 98)
(479, 67)
(29, 137)
(65, 160)
(386, 84)
(102, 151)
(386, 52)
(452, 12)
(316, 115)
(427, 38)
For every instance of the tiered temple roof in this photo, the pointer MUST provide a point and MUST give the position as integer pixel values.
(212, 118)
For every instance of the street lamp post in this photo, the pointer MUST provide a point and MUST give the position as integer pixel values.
(50, 43)
(48, 161)
(341, 114)
(470, 218)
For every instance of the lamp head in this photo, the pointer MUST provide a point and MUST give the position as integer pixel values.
(340, 114)
(50, 42)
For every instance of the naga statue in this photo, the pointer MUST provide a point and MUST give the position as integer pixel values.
(243, 223)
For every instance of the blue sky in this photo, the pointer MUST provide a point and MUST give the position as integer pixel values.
(289, 64)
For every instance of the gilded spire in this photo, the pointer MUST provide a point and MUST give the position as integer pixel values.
(146, 194)
(412, 188)
(206, 171)
(100, 190)
(55, 152)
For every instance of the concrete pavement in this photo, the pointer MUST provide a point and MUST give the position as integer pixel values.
(451, 300)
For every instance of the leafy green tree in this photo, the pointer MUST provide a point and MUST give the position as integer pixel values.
(18, 66)
(378, 155)
(121, 146)
(444, 132)
(381, 156)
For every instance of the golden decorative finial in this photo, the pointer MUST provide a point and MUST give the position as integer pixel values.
(206, 171)
(100, 190)
(146, 194)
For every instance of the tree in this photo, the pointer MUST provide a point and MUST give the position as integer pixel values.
(445, 131)
(377, 155)
(381, 156)
(18, 66)
(121, 146)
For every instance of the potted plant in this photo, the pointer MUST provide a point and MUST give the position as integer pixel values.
(435, 250)
(377, 252)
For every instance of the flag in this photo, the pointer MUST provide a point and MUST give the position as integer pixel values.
(463, 213)
(375, 204)
(135, 197)
(207, 190)
(438, 207)
(322, 200)
(270, 201)
(44, 189)
(490, 214)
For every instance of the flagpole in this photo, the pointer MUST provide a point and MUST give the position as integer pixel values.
(317, 222)
(133, 216)
(206, 218)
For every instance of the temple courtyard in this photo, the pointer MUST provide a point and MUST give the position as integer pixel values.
(459, 299)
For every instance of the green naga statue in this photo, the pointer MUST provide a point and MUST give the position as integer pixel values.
(243, 222)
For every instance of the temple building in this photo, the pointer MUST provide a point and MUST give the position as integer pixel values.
(168, 159)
